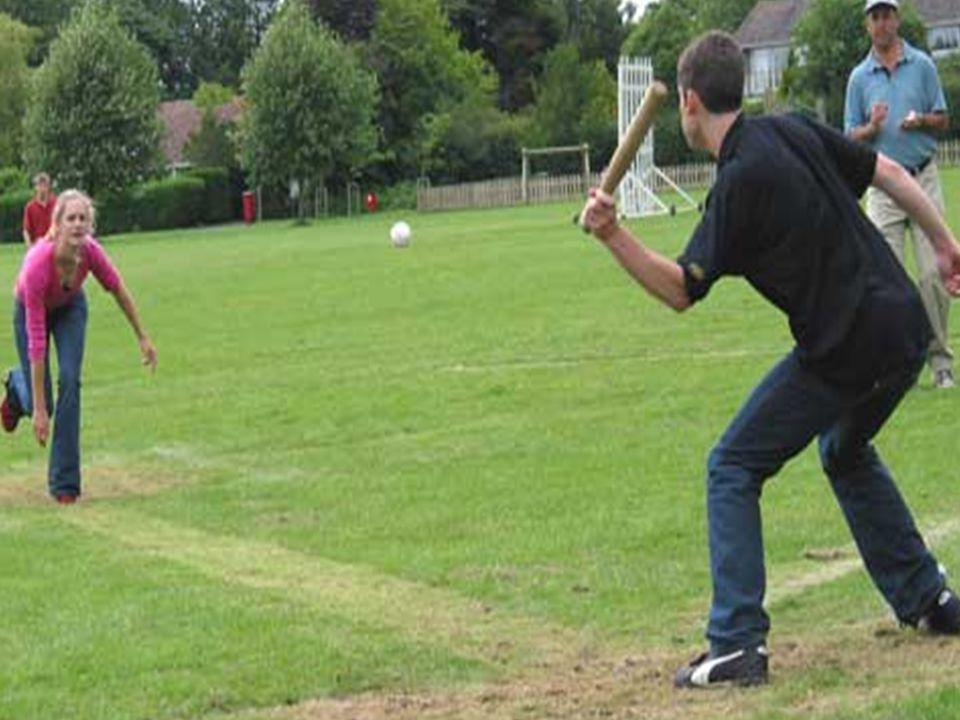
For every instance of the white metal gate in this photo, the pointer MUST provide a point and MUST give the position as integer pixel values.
(634, 76)
(637, 197)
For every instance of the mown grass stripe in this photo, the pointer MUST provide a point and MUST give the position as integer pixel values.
(788, 583)
(466, 627)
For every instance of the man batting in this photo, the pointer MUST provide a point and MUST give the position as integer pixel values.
(784, 215)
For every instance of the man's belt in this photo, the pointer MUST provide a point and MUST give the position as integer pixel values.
(917, 169)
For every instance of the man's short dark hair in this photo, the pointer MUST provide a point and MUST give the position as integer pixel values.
(712, 66)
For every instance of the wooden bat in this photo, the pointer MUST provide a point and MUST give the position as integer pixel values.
(632, 140)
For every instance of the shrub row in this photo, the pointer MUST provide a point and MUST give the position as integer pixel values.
(11, 215)
(13, 180)
(203, 196)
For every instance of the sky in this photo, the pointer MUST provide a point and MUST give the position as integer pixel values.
(642, 4)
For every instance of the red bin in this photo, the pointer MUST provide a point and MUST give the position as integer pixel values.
(249, 207)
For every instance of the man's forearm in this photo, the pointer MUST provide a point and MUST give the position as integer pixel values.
(659, 276)
(907, 193)
(862, 133)
(938, 121)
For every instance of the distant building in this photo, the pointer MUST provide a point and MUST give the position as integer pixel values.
(942, 18)
(765, 36)
(181, 119)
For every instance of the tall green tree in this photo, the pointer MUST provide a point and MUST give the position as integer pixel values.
(597, 29)
(16, 40)
(576, 102)
(310, 104)
(163, 27)
(723, 14)
(44, 15)
(210, 95)
(352, 20)
(223, 35)
(662, 34)
(949, 70)
(514, 36)
(422, 71)
(212, 145)
(92, 118)
(832, 38)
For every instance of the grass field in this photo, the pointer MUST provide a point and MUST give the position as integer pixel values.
(460, 480)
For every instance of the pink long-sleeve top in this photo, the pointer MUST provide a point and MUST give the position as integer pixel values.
(39, 288)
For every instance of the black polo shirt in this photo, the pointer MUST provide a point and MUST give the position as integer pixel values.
(784, 215)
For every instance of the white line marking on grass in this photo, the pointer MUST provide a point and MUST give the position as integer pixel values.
(685, 356)
(421, 613)
(782, 588)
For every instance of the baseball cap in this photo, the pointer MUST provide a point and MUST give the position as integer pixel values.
(871, 4)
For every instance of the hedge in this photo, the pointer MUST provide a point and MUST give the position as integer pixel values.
(11, 215)
(218, 201)
(174, 202)
(13, 180)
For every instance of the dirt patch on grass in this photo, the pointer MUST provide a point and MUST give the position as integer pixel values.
(103, 480)
(810, 678)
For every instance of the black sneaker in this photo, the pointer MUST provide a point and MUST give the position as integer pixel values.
(743, 667)
(10, 412)
(943, 617)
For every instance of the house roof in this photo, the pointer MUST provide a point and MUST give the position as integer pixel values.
(771, 22)
(938, 12)
(181, 119)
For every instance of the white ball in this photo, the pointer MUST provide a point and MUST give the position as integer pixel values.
(400, 234)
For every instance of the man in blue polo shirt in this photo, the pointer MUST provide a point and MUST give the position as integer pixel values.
(895, 104)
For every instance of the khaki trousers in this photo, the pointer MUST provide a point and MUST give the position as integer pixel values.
(894, 223)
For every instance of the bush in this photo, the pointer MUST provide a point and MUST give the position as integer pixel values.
(218, 201)
(949, 68)
(13, 180)
(174, 202)
(402, 196)
(11, 215)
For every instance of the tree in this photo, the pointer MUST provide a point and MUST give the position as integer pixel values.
(16, 39)
(310, 105)
(44, 15)
(163, 26)
(210, 95)
(832, 40)
(576, 102)
(662, 34)
(514, 37)
(724, 14)
(597, 29)
(352, 20)
(212, 145)
(949, 70)
(92, 118)
(422, 72)
(224, 34)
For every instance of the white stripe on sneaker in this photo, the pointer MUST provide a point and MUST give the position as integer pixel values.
(701, 676)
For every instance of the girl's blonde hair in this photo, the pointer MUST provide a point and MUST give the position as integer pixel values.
(61, 205)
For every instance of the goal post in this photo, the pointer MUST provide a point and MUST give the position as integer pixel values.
(583, 149)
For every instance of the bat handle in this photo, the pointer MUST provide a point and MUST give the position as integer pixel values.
(578, 220)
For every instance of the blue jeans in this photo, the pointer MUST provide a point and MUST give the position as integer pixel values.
(68, 325)
(786, 411)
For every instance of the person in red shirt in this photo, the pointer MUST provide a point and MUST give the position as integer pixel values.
(39, 211)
